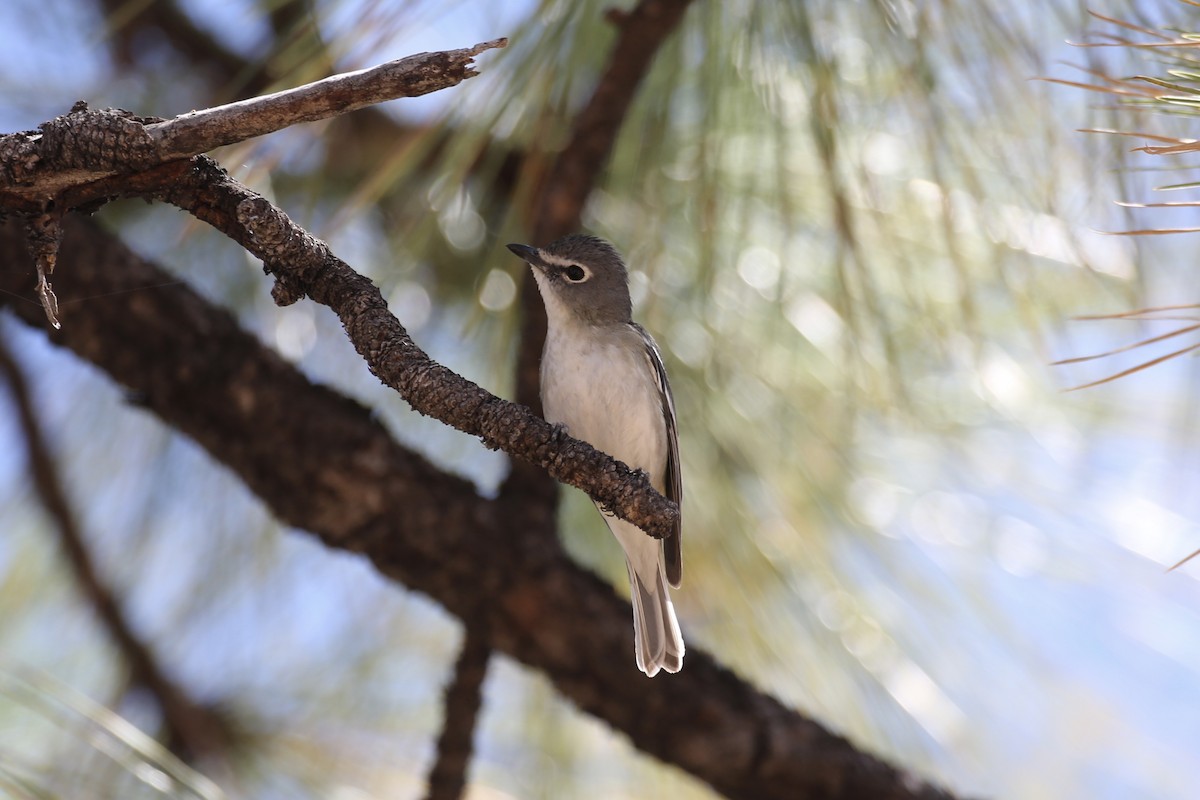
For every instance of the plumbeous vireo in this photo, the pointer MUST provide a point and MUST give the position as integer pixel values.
(603, 379)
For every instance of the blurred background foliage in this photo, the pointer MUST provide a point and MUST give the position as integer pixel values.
(860, 231)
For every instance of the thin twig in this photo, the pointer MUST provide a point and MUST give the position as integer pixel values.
(448, 776)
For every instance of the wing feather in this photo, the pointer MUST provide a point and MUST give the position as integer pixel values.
(672, 545)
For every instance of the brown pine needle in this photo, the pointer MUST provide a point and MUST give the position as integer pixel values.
(1186, 147)
(1194, 553)
(1098, 74)
(1172, 43)
(1138, 368)
(1171, 85)
(1163, 319)
(1169, 204)
(1151, 232)
(1172, 187)
(1139, 312)
(1130, 26)
(1138, 135)
(1128, 347)
(1130, 92)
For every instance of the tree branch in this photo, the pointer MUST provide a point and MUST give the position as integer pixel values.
(87, 145)
(448, 777)
(192, 731)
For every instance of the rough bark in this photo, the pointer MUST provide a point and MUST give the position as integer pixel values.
(87, 144)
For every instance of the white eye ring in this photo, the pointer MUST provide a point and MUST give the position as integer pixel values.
(576, 273)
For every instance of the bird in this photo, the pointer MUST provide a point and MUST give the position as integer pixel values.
(603, 379)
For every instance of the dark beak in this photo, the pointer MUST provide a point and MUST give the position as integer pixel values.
(528, 254)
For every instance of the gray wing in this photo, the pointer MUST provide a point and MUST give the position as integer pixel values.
(672, 545)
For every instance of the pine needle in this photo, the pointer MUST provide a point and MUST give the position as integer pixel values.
(1194, 553)
(1137, 135)
(1168, 204)
(1129, 25)
(1151, 231)
(1139, 312)
(1128, 347)
(1138, 368)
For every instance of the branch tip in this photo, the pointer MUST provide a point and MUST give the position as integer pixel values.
(492, 44)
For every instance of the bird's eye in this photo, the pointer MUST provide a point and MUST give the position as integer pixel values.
(575, 273)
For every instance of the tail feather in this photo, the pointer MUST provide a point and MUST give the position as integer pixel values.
(657, 642)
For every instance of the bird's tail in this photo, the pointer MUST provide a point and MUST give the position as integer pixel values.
(657, 642)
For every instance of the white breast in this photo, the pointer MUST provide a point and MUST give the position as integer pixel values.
(599, 384)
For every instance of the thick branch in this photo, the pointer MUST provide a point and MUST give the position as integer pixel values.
(192, 731)
(87, 145)
(323, 463)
